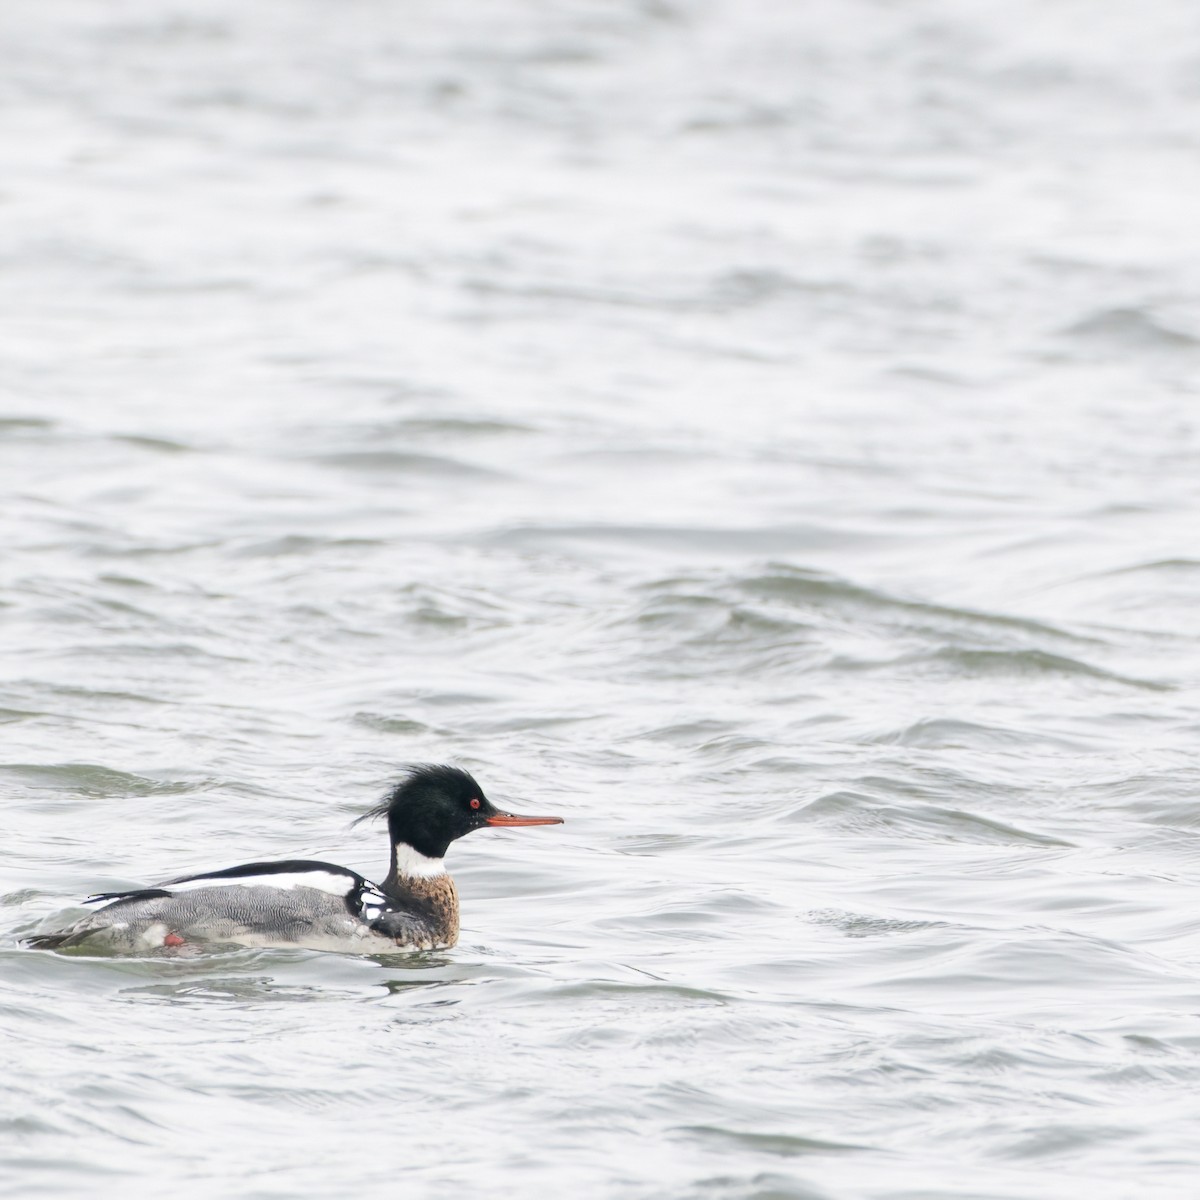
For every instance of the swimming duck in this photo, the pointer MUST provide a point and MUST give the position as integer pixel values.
(316, 905)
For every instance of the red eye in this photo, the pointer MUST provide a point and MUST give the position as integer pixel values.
(474, 803)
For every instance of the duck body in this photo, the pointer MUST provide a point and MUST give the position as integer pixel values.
(301, 903)
(309, 904)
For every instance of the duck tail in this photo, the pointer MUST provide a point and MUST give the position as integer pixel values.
(47, 941)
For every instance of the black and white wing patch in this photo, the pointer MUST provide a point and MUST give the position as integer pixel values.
(367, 902)
(407, 929)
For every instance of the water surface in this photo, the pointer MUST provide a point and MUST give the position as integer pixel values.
(765, 434)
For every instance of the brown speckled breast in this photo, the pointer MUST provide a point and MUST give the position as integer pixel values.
(436, 899)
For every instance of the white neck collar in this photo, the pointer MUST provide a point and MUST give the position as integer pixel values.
(416, 865)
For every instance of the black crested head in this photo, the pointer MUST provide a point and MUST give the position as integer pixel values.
(431, 806)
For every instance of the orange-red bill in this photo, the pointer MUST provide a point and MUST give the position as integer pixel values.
(502, 818)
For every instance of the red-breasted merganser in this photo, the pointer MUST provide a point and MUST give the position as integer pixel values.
(298, 903)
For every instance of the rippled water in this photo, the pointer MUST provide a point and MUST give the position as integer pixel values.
(764, 433)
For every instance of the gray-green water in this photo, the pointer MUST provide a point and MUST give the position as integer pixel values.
(764, 433)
